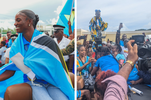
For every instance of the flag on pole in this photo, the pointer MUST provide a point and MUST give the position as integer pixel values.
(67, 13)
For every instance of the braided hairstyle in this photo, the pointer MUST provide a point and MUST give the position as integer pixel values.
(30, 14)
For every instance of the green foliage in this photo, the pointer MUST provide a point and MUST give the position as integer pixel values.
(4, 31)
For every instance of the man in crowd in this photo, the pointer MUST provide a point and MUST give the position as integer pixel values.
(97, 25)
(62, 43)
(3, 48)
(9, 39)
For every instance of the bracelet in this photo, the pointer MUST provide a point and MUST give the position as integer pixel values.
(130, 62)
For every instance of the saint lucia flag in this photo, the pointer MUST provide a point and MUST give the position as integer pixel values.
(66, 14)
(45, 60)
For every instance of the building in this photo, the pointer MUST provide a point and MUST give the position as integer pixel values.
(111, 35)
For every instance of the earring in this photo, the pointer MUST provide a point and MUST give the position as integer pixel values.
(29, 24)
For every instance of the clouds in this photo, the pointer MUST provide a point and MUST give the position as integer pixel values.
(47, 10)
(57, 11)
(133, 13)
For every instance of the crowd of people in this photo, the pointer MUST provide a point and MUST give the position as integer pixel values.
(42, 54)
(98, 63)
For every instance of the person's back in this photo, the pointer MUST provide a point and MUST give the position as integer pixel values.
(108, 63)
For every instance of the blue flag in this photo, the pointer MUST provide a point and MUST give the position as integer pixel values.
(66, 14)
(44, 58)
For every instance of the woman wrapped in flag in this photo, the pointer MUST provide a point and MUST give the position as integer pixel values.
(40, 59)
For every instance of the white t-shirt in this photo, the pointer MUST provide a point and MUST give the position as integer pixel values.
(2, 54)
(124, 51)
(6, 55)
(63, 44)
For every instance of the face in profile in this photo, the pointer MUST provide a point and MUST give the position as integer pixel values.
(21, 23)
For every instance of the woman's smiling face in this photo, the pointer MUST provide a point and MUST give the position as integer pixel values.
(21, 22)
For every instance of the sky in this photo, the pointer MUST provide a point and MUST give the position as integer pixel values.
(134, 14)
(47, 10)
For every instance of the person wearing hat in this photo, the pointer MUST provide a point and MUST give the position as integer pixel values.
(6, 55)
(96, 24)
(62, 42)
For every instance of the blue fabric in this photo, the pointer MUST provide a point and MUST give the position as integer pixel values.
(107, 63)
(43, 64)
(133, 75)
(146, 76)
(86, 69)
(120, 56)
(78, 93)
(15, 79)
(122, 43)
(66, 11)
(9, 43)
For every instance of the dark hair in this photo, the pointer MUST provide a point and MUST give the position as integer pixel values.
(30, 14)
(99, 86)
(105, 50)
(3, 42)
(80, 47)
(118, 47)
(9, 32)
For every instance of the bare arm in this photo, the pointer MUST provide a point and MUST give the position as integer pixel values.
(82, 67)
(132, 56)
(7, 74)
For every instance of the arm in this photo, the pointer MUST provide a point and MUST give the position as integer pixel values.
(138, 81)
(71, 61)
(69, 49)
(6, 60)
(92, 64)
(132, 56)
(70, 30)
(118, 82)
(82, 67)
(7, 74)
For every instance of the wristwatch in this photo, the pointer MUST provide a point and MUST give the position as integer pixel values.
(130, 62)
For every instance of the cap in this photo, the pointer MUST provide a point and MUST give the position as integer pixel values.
(97, 10)
(58, 27)
(104, 42)
(14, 35)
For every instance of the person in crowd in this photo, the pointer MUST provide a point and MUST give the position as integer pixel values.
(109, 45)
(105, 62)
(13, 37)
(4, 39)
(99, 87)
(9, 39)
(2, 49)
(104, 44)
(1, 38)
(85, 63)
(116, 49)
(125, 49)
(47, 33)
(97, 24)
(134, 77)
(41, 62)
(84, 94)
(69, 49)
(62, 42)
(116, 86)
